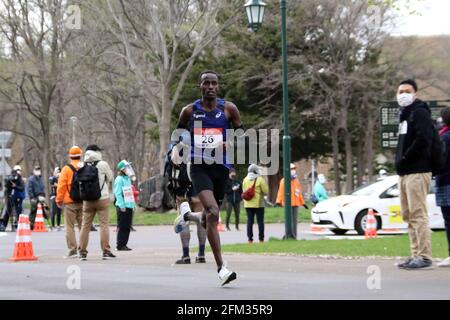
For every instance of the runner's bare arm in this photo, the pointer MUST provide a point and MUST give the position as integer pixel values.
(233, 115)
(185, 116)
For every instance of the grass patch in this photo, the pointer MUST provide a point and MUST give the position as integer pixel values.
(146, 218)
(392, 246)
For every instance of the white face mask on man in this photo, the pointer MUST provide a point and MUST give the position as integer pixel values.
(406, 99)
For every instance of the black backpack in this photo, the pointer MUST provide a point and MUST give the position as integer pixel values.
(438, 153)
(75, 187)
(177, 177)
(89, 183)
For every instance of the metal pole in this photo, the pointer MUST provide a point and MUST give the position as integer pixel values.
(286, 137)
(313, 170)
(73, 130)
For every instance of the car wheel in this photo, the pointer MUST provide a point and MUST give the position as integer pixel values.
(361, 220)
(339, 232)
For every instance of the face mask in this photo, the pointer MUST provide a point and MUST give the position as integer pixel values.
(293, 173)
(37, 173)
(406, 99)
(129, 171)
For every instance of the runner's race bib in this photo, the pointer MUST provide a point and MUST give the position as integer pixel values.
(208, 138)
(128, 194)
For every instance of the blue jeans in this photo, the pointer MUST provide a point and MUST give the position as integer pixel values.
(446, 215)
(251, 212)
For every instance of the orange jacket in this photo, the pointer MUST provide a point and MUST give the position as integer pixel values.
(65, 183)
(296, 193)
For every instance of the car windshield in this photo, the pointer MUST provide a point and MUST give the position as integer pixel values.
(367, 189)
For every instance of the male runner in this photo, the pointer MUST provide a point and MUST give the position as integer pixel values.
(208, 175)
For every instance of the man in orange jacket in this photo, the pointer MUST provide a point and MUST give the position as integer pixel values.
(73, 210)
(296, 198)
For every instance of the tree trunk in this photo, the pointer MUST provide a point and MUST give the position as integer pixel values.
(348, 161)
(45, 155)
(369, 152)
(164, 126)
(337, 173)
(361, 163)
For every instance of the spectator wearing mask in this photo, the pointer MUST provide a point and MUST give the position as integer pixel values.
(296, 200)
(14, 195)
(233, 191)
(93, 156)
(443, 180)
(35, 190)
(125, 203)
(72, 208)
(255, 206)
(319, 189)
(414, 166)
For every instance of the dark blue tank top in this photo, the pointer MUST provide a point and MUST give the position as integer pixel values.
(212, 135)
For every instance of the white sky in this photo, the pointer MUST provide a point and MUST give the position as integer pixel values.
(434, 19)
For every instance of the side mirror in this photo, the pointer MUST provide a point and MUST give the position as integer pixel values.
(393, 193)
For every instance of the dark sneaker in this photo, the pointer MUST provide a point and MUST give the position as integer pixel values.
(83, 256)
(405, 263)
(124, 248)
(108, 255)
(183, 260)
(419, 263)
(132, 229)
(71, 254)
(200, 259)
(93, 228)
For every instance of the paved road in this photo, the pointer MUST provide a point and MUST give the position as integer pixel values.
(148, 273)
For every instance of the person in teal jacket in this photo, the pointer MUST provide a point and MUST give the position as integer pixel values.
(319, 190)
(123, 192)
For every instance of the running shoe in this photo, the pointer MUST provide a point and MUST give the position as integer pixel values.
(226, 276)
(108, 255)
(71, 254)
(200, 259)
(419, 263)
(444, 264)
(183, 260)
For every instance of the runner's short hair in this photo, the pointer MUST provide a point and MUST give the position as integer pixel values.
(206, 72)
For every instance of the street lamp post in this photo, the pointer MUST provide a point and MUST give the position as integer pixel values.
(255, 14)
(73, 119)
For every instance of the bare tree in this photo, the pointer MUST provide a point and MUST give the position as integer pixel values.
(162, 41)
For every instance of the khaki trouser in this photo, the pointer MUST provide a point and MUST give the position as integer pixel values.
(73, 214)
(414, 189)
(90, 208)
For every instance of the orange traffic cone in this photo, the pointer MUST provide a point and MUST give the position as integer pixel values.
(39, 225)
(371, 225)
(220, 226)
(23, 250)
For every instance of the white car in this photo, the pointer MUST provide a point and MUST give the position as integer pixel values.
(349, 212)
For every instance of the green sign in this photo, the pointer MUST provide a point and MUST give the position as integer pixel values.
(389, 120)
